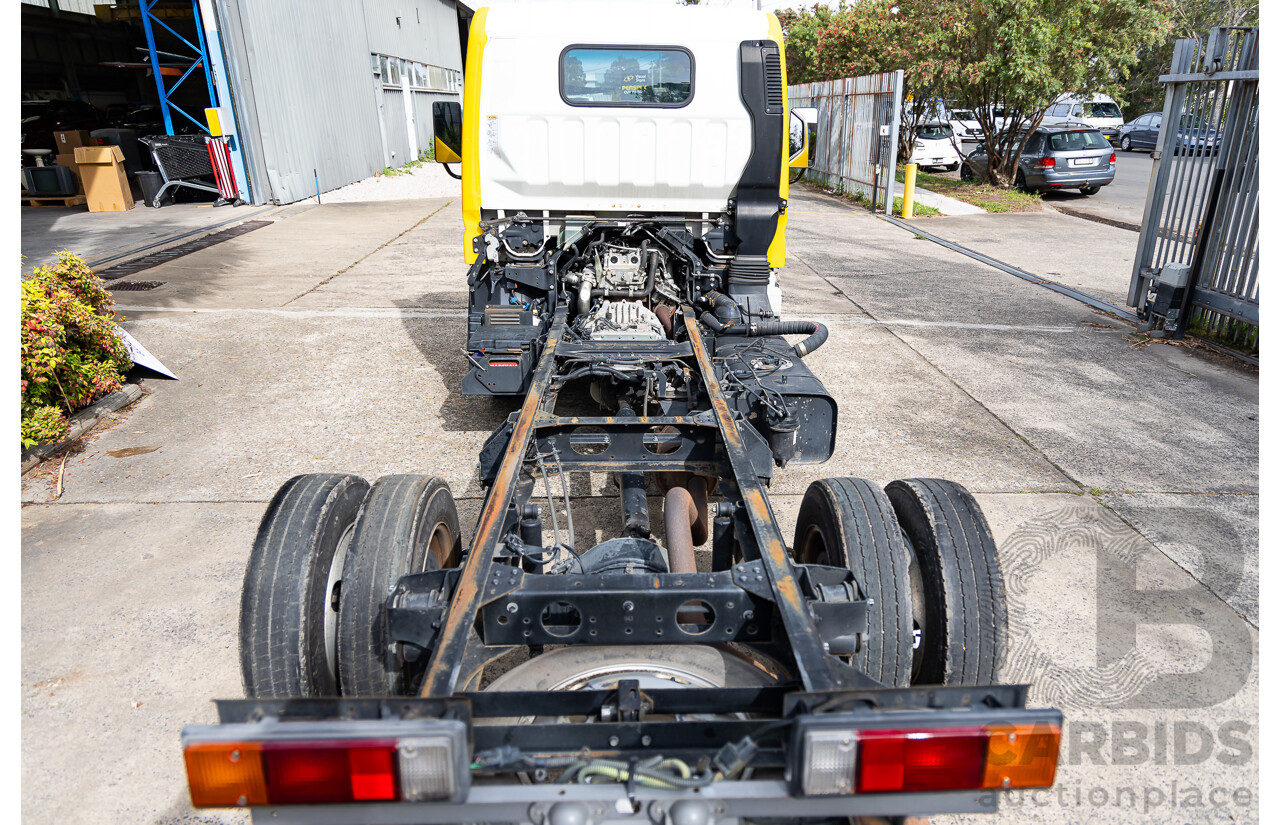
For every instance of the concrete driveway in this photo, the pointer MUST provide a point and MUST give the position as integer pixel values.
(1121, 483)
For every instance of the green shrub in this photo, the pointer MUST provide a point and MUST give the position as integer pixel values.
(70, 353)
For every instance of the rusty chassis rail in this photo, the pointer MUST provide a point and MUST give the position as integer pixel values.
(709, 442)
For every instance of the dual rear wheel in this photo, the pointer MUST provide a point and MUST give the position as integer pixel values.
(922, 552)
(329, 551)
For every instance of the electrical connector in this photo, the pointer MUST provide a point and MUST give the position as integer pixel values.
(734, 756)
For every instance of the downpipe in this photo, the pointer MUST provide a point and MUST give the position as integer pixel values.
(684, 512)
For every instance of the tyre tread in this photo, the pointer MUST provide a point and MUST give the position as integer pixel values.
(275, 660)
(964, 559)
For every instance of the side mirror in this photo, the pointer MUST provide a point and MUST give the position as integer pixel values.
(804, 137)
(446, 117)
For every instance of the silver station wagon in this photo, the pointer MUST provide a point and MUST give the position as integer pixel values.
(1056, 157)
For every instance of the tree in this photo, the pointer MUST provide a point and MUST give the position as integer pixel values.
(867, 38)
(1143, 92)
(1019, 55)
(980, 55)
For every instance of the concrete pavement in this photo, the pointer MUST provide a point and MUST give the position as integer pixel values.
(1121, 485)
(96, 236)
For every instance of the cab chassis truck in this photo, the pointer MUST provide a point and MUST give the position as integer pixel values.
(625, 175)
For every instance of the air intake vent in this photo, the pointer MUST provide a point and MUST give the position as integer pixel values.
(773, 81)
(506, 316)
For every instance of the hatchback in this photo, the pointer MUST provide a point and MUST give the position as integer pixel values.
(1056, 157)
(935, 148)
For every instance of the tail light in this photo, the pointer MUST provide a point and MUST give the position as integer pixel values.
(1046, 162)
(929, 759)
(302, 769)
(1113, 158)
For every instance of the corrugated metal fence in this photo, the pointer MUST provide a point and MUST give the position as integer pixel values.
(858, 121)
(1202, 203)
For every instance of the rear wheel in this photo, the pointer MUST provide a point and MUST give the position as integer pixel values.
(1020, 181)
(287, 617)
(957, 585)
(409, 524)
(849, 522)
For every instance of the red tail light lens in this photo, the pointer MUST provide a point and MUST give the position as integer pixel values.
(1046, 162)
(940, 760)
(1113, 158)
(331, 772)
(842, 761)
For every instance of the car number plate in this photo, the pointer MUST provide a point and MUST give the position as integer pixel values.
(1082, 161)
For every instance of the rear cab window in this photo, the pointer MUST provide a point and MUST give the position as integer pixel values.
(1076, 141)
(934, 132)
(642, 76)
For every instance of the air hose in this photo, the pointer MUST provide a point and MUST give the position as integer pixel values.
(817, 332)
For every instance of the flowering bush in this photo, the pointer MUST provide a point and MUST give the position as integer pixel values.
(70, 353)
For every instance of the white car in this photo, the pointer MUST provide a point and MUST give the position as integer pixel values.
(965, 126)
(935, 148)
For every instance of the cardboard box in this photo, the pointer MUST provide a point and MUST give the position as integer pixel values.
(69, 160)
(70, 141)
(106, 186)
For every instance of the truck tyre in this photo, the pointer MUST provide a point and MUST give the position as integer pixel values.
(957, 585)
(849, 522)
(408, 524)
(287, 621)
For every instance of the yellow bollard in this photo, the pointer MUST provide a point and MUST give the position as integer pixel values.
(909, 192)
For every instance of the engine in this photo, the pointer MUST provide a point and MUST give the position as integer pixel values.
(621, 321)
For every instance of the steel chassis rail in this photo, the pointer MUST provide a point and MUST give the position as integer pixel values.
(716, 443)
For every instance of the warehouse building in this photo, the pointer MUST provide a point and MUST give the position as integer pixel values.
(310, 96)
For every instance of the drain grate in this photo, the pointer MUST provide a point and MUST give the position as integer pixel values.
(134, 286)
(157, 258)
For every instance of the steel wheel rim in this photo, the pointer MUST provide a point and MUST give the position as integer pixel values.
(918, 622)
(332, 600)
(440, 544)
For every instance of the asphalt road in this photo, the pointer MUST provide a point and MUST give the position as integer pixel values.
(1124, 199)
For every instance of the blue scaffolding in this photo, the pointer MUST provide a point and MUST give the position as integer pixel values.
(200, 60)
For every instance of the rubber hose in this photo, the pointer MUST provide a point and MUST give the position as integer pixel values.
(817, 333)
(711, 322)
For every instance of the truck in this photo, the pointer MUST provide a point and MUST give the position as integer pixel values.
(625, 175)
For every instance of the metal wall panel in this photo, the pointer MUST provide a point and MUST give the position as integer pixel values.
(305, 95)
(422, 30)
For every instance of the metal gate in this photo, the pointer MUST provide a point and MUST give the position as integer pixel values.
(1197, 261)
(858, 118)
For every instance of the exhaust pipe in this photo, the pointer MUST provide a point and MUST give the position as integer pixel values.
(684, 512)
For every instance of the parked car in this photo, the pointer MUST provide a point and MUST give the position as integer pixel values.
(964, 123)
(41, 118)
(935, 148)
(1056, 157)
(1096, 110)
(1141, 132)
(1196, 136)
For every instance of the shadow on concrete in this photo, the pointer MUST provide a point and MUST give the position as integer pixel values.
(442, 341)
